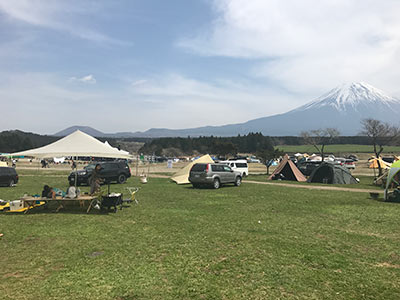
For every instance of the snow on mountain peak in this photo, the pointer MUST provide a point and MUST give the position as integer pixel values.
(350, 95)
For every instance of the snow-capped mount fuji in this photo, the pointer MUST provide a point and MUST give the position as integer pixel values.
(351, 96)
(342, 108)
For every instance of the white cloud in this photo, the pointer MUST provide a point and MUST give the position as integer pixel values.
(308, 45)
(85, 79)
(62, 16)
(139, 82)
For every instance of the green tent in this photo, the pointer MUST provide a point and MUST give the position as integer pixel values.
(332, 174)
(392, 178)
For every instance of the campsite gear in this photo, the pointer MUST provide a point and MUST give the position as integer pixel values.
(182, 176)
(143, 178)
(331, 174)
(16, 205)
(374, 195)
(392, 178)
(4, 205)
(111, 200)
(132, 191)
(287, 170)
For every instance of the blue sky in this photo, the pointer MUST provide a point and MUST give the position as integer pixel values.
(133, 65)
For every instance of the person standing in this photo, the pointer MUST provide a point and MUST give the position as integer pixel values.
(95, 180)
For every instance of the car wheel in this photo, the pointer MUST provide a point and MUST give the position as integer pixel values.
(11, 183)
(238, 181)
(216, 183)
(121, 178)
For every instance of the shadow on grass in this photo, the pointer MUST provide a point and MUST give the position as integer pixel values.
(75, 209)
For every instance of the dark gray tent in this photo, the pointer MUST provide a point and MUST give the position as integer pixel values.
(333, 174)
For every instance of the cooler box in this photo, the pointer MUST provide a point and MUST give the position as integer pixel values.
(16, 205)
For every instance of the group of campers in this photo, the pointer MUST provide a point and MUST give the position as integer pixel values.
(72, 192)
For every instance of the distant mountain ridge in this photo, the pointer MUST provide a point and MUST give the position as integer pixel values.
(86, 129)
(343, 108)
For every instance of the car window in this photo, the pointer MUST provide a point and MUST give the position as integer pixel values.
(219, 168)
(241, 165)
(227, 169)
(199, 167)
(110, 166)
(90, 167)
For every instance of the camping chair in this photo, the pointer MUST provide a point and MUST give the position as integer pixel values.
(132, 191)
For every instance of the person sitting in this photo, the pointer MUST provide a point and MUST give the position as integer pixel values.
(48, 192)
(72, 191)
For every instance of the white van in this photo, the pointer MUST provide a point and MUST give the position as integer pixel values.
(238, 165)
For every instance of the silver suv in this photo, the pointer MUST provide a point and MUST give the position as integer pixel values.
(214, 175)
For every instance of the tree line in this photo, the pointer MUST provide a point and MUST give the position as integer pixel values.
(16, 140)
(250, 143)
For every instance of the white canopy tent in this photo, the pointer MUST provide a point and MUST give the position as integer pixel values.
(121, 151)
(76, 144)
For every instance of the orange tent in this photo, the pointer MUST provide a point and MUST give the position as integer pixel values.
(375, 162)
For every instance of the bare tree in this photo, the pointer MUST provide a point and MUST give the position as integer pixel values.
(380, 134)
(267, 156)
(319, 138)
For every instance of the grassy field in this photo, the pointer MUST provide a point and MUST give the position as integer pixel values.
(251, 242)
(337, 149)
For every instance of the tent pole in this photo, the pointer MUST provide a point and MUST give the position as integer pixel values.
(76, 175)
(137, 164)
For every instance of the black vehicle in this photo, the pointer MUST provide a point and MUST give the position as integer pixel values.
(8, 176)
(118, 171)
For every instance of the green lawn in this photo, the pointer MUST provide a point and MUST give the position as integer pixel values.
(251, 242)
(337, 149)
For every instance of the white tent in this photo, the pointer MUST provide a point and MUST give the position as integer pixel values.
(182, 176)
(76, 144)
(121, 151)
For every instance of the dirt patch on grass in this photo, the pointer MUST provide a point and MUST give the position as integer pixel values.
(387, 265)
(13, 275)
(315, 187)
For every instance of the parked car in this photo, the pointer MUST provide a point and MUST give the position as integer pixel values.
(213, 175)
(346, 162)
(8, 176)
(253, 160)
(118, 171)
(353, 157)
(349, 164)
(238, 165)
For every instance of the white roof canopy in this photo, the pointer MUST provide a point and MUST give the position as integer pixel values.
(77, 143)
